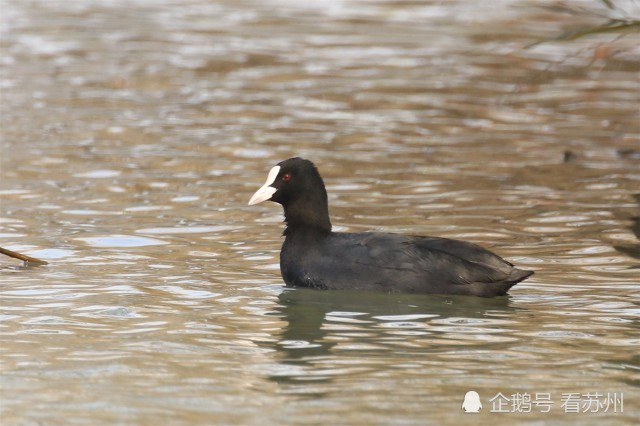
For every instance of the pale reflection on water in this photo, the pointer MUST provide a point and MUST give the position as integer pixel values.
(133, 134)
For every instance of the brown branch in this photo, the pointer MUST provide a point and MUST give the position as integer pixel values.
(611, 26)
(23, 257)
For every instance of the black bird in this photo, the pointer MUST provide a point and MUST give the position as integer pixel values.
(314, 256)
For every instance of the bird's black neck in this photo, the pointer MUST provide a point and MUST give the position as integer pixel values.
(307, 216)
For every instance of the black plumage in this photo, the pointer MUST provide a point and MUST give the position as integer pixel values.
(314, 256)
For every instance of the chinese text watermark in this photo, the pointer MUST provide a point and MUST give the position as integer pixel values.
(544, 402)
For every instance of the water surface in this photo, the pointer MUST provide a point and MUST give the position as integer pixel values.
(134, 133)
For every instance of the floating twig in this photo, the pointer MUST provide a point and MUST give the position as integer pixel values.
(26, 259)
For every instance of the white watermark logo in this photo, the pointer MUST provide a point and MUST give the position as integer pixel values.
(544, 402)
(471, 403)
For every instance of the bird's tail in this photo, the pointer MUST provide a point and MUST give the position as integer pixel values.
(515, 277)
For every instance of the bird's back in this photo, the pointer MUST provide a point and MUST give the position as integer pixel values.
(396, 263)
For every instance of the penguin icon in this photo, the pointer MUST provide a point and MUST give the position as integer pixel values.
(472, 402)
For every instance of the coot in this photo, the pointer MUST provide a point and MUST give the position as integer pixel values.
(314, 256)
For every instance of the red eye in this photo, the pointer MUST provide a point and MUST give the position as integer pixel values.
(286, 177)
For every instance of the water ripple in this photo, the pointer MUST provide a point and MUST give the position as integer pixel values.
(137, 131)
(121, 241)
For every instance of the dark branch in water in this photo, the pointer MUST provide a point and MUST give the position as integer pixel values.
(609, 4)
(26, 259)
(612, 26)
